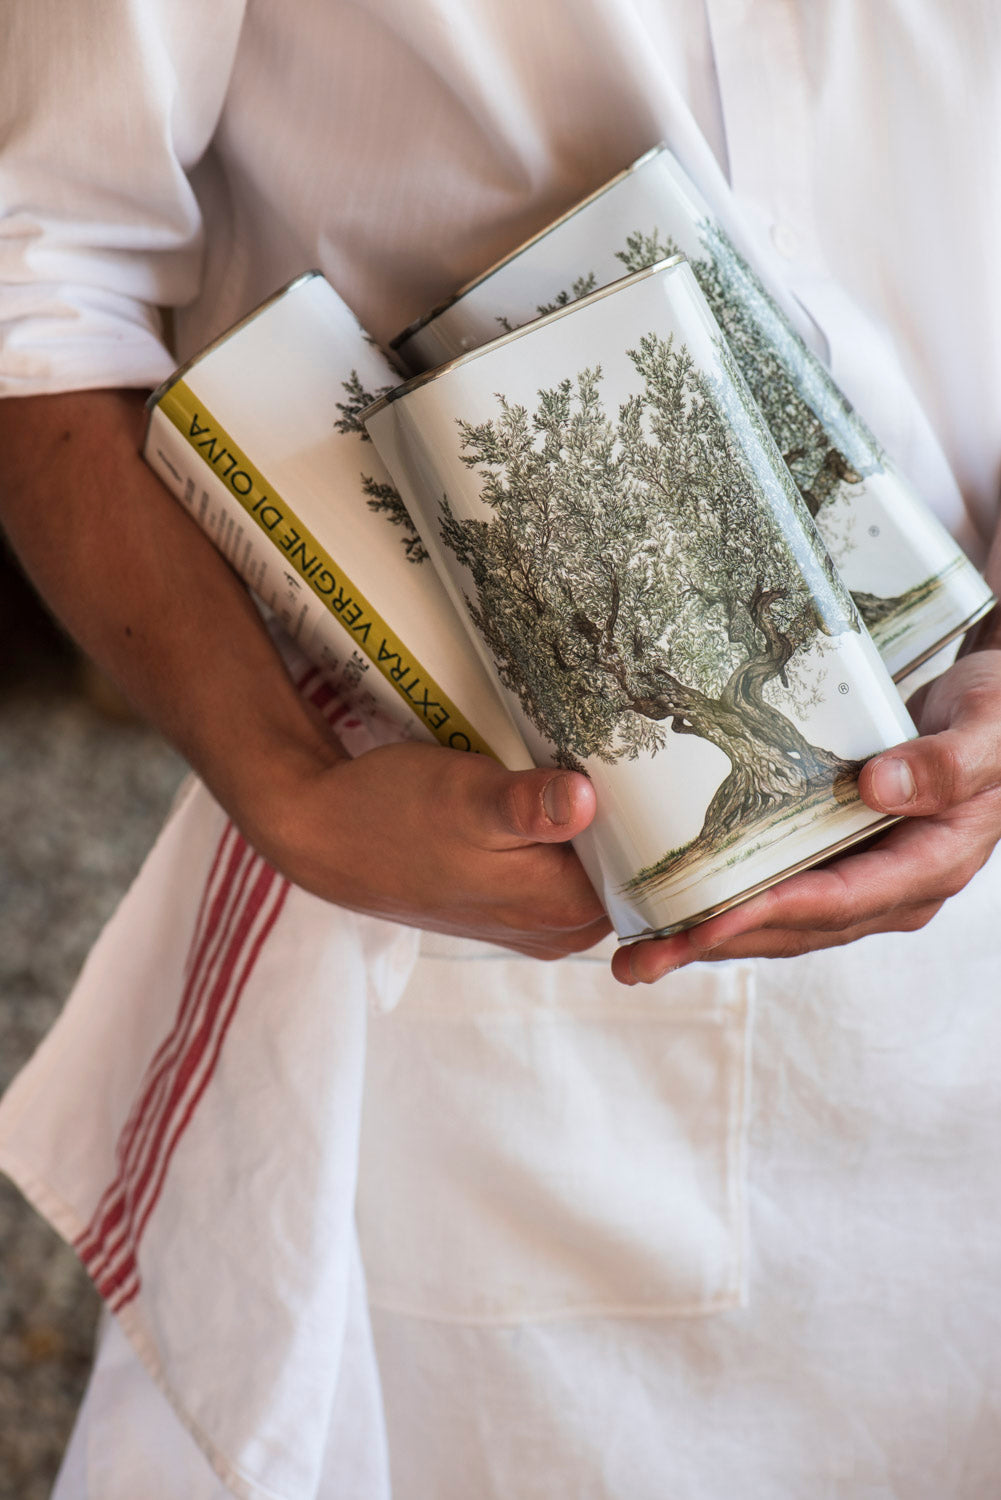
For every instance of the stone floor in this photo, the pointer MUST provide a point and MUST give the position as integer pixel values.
(83, 790)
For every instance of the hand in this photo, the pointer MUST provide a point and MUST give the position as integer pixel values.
(425, 836)
(442, 840)
(947, 785)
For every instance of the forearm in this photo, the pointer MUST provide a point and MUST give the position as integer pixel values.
(148, 596)
(435, 838)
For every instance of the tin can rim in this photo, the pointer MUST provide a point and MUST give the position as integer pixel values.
(658, 268)
(540, 234)
(809, 862)
(155, 397)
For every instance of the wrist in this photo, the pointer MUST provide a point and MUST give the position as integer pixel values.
(268, 775)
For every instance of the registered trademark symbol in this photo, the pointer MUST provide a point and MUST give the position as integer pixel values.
(843, 687)
(874, 531)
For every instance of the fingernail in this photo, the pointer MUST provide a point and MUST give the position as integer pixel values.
(892, 783)
(556, 801)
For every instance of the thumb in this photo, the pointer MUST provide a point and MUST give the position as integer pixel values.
(932, 774)
(532, 807)
(958, 759)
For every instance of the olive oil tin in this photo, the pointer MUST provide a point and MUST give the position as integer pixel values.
(258, 438)
(913, 585)
(640, 573)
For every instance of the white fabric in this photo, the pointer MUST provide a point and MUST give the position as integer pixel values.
(402, 148)
(249, 1152)
(598, 1263)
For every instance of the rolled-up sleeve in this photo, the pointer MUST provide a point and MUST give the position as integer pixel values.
(106, 107)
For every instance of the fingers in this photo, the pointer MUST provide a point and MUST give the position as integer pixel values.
(541, 893)
(532, 807)
(897, 885)
(527, 938)
(554, 945)
(645, 963)
(503, 848)
(914, 866)
(653, 958)
(959, 754)
(947, 787)
(933, 774)
(793, 942)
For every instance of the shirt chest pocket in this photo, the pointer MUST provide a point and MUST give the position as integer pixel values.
(539, 1142)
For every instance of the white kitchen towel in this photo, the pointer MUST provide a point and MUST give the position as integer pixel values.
(220, 1009)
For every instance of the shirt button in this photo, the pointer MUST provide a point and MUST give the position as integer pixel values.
(785, 240)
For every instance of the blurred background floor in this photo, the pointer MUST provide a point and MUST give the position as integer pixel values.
(84, 789)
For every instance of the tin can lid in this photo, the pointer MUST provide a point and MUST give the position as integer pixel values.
(182, 370)
(440, 307)
(658, 268)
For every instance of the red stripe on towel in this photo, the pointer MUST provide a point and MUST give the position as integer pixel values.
(240, 904)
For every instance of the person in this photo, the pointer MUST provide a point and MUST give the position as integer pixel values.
(534, 1235)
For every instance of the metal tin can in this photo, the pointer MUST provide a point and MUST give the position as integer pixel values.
(914, 586)
(258, 437)
(608, 508)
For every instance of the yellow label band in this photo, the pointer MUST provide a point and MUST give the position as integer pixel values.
(331, 586)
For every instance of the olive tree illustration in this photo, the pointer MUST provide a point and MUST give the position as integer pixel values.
(823, 441)
(629, 583)
(381, 497)
(767, 349)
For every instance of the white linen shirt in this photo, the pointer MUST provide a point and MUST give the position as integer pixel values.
(608, 1248)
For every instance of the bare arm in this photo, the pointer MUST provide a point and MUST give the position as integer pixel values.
(427, 836)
